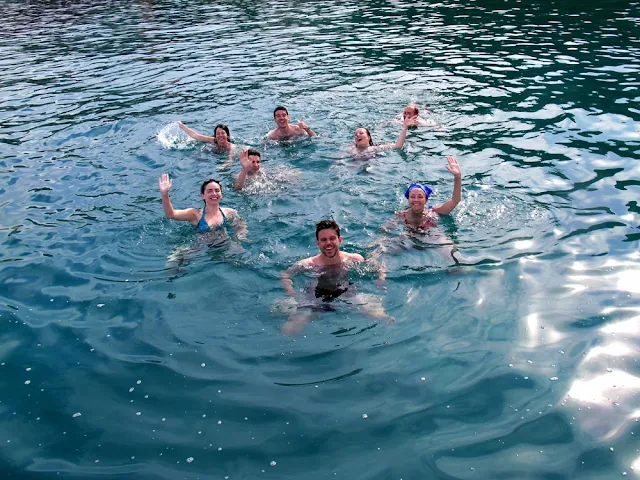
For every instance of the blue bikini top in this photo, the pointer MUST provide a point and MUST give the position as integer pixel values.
(203, 226)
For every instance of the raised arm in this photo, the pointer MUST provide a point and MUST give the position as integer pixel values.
(195, 135)
(412, 121)
(188, 215)
(306, 128)
(245, 163)
(447, 207)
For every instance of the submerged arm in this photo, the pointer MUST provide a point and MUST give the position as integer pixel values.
(285, 278)
(238, 223)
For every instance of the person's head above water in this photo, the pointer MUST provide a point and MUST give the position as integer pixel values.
(280, 108)
(410, 110)
(221, 134)
(254, 157)
(417, 194)
(423, 188)
(328, 238)
(281, 116)
(330, 224)
(363, 137)
(204, 188)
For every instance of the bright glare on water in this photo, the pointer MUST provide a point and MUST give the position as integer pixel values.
(134, 348)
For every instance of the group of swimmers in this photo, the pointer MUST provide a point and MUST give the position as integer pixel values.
(331, 265)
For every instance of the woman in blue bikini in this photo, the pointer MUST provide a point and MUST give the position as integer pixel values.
(212, 217)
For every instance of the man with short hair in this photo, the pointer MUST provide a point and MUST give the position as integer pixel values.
(250, 163)
(331, 266)
(285, 131)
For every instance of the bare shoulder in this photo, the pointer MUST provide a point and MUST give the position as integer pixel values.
(230, 213)
(352, 257)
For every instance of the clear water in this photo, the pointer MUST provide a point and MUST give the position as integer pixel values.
(118, 361)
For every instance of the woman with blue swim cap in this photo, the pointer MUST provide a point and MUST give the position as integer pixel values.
(418, 216)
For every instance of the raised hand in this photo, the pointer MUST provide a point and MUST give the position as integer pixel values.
(410, 122)
(453, 166)
(164, 184)
(245, 163)
(303, 125)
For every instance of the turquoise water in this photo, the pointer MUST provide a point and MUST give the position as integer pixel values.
(129, 348)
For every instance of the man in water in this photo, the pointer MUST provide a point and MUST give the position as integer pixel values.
(331, 267)
(284, 131)
(250, 163)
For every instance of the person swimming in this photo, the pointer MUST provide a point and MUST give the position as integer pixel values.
(412, 111)
(421, 220)
(364, 145)
(331, 266)
(418, 216)
(286, 131)
(221, 140)
(212, 217)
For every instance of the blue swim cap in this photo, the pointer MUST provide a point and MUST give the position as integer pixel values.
(427, 191)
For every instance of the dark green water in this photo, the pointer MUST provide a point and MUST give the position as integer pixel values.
(117, 362)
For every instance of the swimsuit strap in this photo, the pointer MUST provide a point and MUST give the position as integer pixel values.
(224, 219)
(203, 226)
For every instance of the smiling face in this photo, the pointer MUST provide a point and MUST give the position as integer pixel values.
(282, 118)
(417, 200)
(362, 138)
(212, 193)
(255, 162)
(221, 136)
(329, 242)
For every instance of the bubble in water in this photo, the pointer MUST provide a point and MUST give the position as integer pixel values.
(422, 378)
(202, 365)
(190, 459)
(77, 414)
(272, 463)
(27, 382)
(553, 379)
(364, 415)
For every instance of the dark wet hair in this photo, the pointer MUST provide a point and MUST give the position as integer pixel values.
(369, 133)
(207, 182)
(253, 151)
(223, 127)
(325, 224)
(280, 108)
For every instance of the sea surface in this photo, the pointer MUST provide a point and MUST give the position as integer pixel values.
(133, 348)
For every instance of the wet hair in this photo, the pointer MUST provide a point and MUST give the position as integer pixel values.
(280, 108)
(223, 127)
(325, 224)
(207, 182)
(253, 151)
(370, 139)
(414, 107)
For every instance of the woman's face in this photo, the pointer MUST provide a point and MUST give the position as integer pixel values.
(221, 136)
(362, 138)
(212, 193)
(417, 200)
